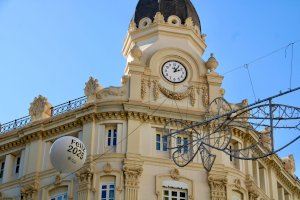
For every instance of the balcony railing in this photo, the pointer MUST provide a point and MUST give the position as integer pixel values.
(55, 111)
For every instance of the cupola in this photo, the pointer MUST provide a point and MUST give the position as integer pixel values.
(183, 9)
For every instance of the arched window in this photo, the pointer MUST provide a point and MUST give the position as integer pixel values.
(174, 190)
(60, 193)
(107, 188)
(237, 195)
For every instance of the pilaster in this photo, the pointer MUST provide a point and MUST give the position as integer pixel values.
(218, 186)
(133, 169)
(8, 168)
(85, 184)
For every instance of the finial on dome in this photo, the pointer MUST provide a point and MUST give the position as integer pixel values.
(212, 63)
(159, 18)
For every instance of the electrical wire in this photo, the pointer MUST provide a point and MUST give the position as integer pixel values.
(261, 57)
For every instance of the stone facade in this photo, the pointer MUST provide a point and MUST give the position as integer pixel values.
(133, 115)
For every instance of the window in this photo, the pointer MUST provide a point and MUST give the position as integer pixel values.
(18, 161)
(262, 176)
(254, 171)
(2, 165)
(237, 196)
(161, 143)
(183, 144)
(62, 196)
(112, 137)
(174, 194)
(234, 161)
(107, 191)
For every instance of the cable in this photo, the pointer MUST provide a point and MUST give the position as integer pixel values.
(261, 57)
(292, 60)
(251, 82)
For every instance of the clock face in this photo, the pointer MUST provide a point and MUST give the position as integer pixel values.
(174, 71)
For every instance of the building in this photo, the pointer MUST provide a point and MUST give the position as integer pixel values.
(122, 127)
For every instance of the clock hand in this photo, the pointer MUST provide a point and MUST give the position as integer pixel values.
(176, 69)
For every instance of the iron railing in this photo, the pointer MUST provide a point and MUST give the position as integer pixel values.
(55, 111)
(68, 106)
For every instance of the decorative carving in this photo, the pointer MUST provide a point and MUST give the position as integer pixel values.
(212, 63)
(174, 173)
(107, 168)
(155, 89)
(111, 91)
(218, 187)
(136, 53)
(159, 18)
(289, 164)
(205, 96)
(132, 174)
(92, 87)
(237, 184)
(40, 108)
(28, 192)
(132, 26)
(57, 180)
(189, 22)
(190, 92)
(143, 88)
(85, 176)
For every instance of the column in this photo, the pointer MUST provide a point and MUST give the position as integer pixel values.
(280, 193)
(120, 136)
(8, 168)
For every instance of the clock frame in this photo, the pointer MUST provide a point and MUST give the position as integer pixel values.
(172, 80)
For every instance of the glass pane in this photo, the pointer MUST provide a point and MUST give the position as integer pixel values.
(185, 143)
(112, 194)
(157, 146)
(109, 133)
(115, 141)
(104, 186)
(108, 141)
(165, 144)
(182, 194)
(174, 194)
(112, 186)
(59, 198)
(166, 192)
(157, 137)
(103, 194)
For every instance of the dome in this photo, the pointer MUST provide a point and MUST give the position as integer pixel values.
(181, 8)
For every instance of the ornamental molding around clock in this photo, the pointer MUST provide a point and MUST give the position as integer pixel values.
(192, 92)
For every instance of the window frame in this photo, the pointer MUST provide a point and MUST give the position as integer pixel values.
(63, 195)
(170, 192)
(2, 167)
(111, 136)
(17, 164)
(161, 143)
(107, 191)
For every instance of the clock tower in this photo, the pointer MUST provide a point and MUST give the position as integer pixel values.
(164, 48)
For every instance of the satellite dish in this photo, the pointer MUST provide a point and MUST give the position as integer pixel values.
(67, 154)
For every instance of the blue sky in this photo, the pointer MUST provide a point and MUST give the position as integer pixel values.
(52, 47)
